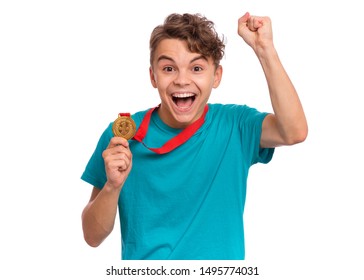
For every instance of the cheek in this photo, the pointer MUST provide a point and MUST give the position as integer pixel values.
(205, 83)
(164, 82)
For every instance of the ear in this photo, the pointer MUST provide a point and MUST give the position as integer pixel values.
(218, 76)
(152, 77)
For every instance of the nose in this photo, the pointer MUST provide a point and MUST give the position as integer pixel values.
(182, 78)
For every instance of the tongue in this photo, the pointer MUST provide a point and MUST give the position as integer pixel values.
(184, 102)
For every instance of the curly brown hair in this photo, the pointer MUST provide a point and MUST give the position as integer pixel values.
(195, 29)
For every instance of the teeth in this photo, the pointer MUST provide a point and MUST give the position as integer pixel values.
(183, 95)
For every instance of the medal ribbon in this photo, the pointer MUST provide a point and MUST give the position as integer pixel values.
(176, 141)
(124, 114)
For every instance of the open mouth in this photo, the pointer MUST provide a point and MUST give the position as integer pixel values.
(183, 100)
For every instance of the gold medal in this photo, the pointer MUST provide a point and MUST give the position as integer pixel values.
(124, 126)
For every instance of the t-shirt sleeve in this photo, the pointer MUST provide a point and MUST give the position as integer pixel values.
(94, 173)
(251, 125)
(261, 155)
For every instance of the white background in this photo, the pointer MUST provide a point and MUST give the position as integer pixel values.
(68, 67)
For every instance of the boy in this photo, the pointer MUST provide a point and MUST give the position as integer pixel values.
(180, 183)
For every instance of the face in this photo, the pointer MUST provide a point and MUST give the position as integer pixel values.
(184, 81)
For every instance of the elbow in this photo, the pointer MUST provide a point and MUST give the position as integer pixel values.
(92, 242)
(297, 137)
(296, 140)
(94, 235)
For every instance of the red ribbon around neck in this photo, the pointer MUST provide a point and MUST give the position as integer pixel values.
(176, 141)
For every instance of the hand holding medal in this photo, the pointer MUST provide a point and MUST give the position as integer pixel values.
(117, 156)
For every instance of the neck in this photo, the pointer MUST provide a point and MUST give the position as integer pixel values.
(169, 120)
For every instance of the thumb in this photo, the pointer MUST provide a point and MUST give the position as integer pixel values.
(244, 19)
(243, 29)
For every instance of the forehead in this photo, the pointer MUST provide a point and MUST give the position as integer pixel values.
(176, 50)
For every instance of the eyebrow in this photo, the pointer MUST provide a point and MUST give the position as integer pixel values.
(171, 59)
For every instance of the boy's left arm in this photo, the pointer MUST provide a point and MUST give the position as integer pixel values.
(288, 125)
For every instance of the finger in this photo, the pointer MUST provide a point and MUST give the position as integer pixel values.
(120, 165)
(122, 162)
(244, 19)
(115, 152)
(124, 165)
(254, 23)
(257, 23)
(116, 141)
(118, 161)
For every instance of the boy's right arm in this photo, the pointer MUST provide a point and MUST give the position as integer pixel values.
(98, 217)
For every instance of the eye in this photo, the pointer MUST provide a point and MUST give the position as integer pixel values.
(168, 69)
(197, 69)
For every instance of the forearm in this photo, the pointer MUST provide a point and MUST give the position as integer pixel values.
(289, 115)
(99, 215)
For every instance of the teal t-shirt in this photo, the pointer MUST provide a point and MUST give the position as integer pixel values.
(188, 203)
